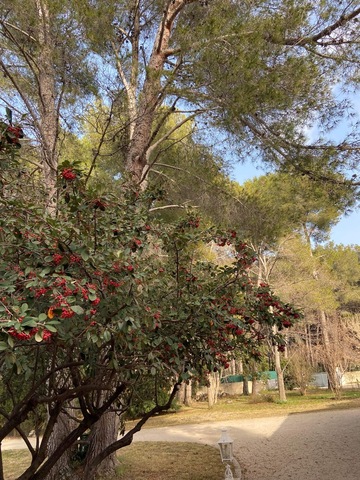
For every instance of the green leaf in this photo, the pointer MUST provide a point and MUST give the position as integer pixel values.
(77, 309)
(9, 114)
(53, 322)
(3, 346)
(84, 255)
(44, 272)
(115, 364)
(28, 322)
(51, 328)
(38, 337)
(10, 359)
(24, 307)
(42, 317)
(107, 336)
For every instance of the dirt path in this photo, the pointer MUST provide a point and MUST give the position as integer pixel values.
(307, 446)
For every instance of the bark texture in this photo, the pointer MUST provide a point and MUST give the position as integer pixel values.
(103, 433)
(62, 470)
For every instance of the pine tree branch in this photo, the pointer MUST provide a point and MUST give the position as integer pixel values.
(303, 41)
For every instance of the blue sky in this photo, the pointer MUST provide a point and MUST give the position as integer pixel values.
(346, 232)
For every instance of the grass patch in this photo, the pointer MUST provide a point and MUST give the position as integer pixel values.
(146, 460)
(15, 462)
(170, 461)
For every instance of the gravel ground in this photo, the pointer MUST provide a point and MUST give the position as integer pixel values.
(307, 446)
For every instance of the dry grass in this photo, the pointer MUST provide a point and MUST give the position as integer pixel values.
(263, 406)
(148, 461)
(170, 461)
(15, 462)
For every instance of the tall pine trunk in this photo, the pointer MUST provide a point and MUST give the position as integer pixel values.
(279, 372)
(48, 109)
(329, 359)
(151, 95)
(280, 376)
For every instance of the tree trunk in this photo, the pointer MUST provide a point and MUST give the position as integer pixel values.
(151, 95)
(188, 394)
(246, 390)
(213, 388)
(103, 433)
(280, 376)
(329, 358)
(279, 371)
(49, 118)
(254, 378)
(62, 470)
(255, 386)
(184, 394)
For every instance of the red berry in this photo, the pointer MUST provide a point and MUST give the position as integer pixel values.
(68, 174)
(57, 258)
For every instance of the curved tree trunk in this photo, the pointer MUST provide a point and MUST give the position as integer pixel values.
(151, 94)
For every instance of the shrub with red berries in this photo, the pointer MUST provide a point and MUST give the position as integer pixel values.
(84, 309)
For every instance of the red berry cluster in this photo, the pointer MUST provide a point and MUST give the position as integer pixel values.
(74, 259)
(13, 134)
(46, 335)
(40, 292)
(57, 258)
(10, 136)
(194, 222)
(68, 174)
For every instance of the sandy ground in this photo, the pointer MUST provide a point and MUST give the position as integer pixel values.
(310, 446)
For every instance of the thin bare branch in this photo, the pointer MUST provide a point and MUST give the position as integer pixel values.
(8, 24)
